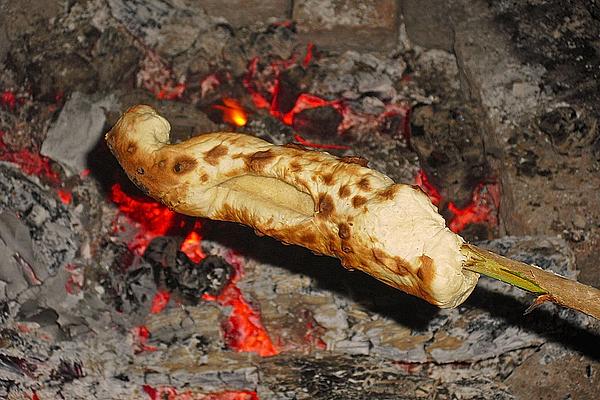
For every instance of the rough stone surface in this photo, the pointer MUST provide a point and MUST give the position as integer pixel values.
(427, 23)
(535, 82)
(254, 11)
(340, 25)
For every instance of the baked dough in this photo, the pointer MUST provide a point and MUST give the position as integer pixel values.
(332, 206)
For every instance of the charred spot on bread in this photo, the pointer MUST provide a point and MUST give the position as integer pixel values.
(358, 201)
(184, 164)
(344, 231)
(259, 160)
(131, 148)
(364, 184)
(325, 205)
(363, 162)
(214, 155)
(389, 192)
(344, 191)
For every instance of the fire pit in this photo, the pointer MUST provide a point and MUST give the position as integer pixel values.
(106, 293)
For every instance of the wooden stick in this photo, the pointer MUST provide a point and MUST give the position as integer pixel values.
(547, 285)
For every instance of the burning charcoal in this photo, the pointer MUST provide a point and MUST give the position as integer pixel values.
(174, 270)
(161, 253)
(210, 276)
(67, 371)
(318, 122)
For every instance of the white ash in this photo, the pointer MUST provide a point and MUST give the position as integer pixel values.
(77, 130)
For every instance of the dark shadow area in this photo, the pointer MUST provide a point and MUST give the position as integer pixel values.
(404, 309)
(327, 272)
(105, 169)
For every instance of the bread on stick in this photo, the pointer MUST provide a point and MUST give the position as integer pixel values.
(332, 206)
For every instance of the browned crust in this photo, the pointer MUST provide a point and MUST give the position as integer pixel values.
(214, 155)
(363, 162)
(358, 201)
(344, 191)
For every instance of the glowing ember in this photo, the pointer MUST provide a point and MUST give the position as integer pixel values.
(141, 334)
(309, 54)
(304, 102)
(422, 181)
(232, 395)
(170, 92)
(160, 301)
(233, 112)
(312, 338)
(243, 329)
(485, 201)
(191, 245)
(265, 85)
(209, 84)
(152, 218)
(65, 196)
(483, 208)
(156, 76)
(30, 163)
(8, 99)
(170, 393)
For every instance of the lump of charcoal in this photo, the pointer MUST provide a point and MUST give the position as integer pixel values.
(175, 271)
(209, 276)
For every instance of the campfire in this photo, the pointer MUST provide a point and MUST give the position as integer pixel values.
(106, 292)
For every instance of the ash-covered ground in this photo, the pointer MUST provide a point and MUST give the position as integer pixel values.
(106, 294)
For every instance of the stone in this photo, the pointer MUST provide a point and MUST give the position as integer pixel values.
(342, 24)
(431, 29)
(253, 10)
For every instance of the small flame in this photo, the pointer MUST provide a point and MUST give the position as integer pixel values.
(191, 244)
(233, 112)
